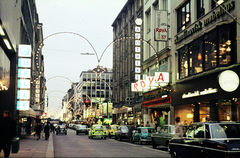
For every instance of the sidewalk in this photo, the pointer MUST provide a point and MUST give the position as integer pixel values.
(31, 147)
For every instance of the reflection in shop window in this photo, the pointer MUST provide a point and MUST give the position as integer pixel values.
(210, 41)
(204, 111)
(195, 54)
(224, 47)
(224, 110)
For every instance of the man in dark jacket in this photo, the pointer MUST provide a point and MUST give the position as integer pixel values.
(38, 129)
(7, 132)
(47, 130)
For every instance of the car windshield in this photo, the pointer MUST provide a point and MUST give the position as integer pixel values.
(61, 126)
(82, 126)
(106, 127)
(145, 130)
(98, 127)
(225, 131)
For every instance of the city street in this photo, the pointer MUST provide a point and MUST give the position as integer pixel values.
(72, 145)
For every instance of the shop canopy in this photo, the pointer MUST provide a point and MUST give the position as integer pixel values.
(27, 113)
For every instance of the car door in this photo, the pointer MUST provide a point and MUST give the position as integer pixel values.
(193, 143)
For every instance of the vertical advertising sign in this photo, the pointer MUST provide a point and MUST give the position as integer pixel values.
(24, 75)
(161, 26)
(138, 49)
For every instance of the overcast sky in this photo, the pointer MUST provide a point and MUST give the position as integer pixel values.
(91, 19)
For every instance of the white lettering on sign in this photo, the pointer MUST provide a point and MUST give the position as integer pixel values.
(197, 93)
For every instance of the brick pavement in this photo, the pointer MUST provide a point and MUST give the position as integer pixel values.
(31, 147)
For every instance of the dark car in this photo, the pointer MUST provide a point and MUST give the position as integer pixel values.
(81, 129)
(123, 132)
(61, 129)
(207, 140)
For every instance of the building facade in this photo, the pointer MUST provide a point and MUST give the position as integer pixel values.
(92, 92)
(20, 28)
(205, 53)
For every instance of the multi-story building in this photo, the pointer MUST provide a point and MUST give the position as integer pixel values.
(124, 62)
(20, 28)
(205, 50)
(95, 90)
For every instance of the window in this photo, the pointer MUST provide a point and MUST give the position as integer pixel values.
(184, 16)
(212, 50)
(200, 8)
(148, 16)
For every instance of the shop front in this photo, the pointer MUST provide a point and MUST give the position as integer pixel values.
(212, 96)
(157, 106)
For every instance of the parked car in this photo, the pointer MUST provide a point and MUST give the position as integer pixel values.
(143, 134)
(97, 131)
(163, 136)
(123, 132)
(61, 129)
(106, 128)
(81, 129)
(207, 140)
(112, 129)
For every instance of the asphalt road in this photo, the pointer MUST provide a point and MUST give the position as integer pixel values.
(72, 145)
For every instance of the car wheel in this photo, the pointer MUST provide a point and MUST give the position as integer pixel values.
(133, 141)
(56, 133)
(86, 133)
(66, 133)
(76, 133)
(154, 144)
(120, 138)
(88, 137)
(92, 137)
(105, 137)
(173, 153)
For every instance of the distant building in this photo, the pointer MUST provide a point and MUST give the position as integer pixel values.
(95, 91)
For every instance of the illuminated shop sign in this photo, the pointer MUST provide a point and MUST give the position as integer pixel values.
(137, 50)
(24, 75)
(23, 105)
(23, 94)
(199, 93)
(23, 83)
(228, 80)
(157, 102)
(22, 62)
(151, 81)
(215, 15)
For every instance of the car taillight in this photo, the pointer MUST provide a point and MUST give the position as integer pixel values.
(104, 132)
(92, 132)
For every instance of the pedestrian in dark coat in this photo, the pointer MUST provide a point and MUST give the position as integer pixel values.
(130, 130)
(38, 129)
(7, 133)
(47, 130)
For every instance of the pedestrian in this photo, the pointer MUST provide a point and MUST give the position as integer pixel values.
(178, 128)
(7, 133)
(47, 130)
(38, 129)
(147, 125)
(130, 130)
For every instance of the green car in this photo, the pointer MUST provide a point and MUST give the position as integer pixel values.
(97, 131)
(166, 133)
(143, 134)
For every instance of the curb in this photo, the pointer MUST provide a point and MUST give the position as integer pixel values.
(50, 148)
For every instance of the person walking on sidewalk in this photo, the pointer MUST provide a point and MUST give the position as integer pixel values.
(38, 129)
(7, 133)
(47, 130)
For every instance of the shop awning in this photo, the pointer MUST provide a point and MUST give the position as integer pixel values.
(27, 113)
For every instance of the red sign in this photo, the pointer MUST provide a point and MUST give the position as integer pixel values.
(157, 102)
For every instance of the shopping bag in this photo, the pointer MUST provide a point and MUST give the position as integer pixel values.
(15, 144)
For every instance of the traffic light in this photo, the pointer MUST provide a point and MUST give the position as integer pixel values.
(86, 102)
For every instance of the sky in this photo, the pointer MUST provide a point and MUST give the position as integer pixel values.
(68, 28)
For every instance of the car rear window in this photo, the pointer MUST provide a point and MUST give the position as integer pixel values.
(225, 131)
(98, 127)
